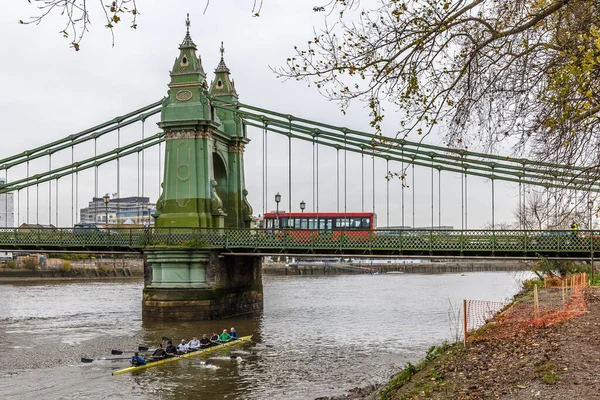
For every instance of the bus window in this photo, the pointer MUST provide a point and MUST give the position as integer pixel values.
(366, 223)
(342, 223)
(355, 223)
(325, 223)
(283, 222)
(312, 223)
(302, 223)
(290, 223)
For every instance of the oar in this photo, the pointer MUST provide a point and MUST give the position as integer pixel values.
(119, 352)
(89, 360)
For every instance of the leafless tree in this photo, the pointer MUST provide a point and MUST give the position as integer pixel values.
(488, 71)
(544, 209)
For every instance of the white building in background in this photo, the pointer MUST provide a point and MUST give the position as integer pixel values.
(7, 208)
(119, 211)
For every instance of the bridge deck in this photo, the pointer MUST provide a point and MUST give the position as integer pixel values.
(505, 243)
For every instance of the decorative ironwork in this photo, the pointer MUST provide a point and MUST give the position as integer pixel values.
(513, 243)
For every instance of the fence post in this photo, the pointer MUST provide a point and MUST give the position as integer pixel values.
(536, 302)
(465, 322)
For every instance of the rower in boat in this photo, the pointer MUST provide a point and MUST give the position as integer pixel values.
(233, 333)
(175, 359)
(159, 353)
(136, 360)
(204, 342)
(194, 344)
(183, 347)
(214, 339)
(224, 337)
(171, 350)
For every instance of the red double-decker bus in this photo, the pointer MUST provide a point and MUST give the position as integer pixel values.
(322, 221)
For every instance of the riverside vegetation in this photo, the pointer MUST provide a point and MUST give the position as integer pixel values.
(509, 359)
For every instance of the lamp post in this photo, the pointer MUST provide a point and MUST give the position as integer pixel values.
(106, 199)
(149, 207)
(590, 207)
(277, 200)
(302, 205)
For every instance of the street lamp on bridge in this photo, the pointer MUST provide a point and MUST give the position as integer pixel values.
(302, 205)
(277, 200)
(106, 199)
(149, 207)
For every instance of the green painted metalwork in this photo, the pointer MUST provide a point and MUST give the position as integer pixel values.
(203, 183)
(390, 242)
(83, 136)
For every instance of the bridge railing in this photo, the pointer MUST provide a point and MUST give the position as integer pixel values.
(381, 240)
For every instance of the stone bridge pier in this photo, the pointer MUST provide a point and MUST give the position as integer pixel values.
(191, 285)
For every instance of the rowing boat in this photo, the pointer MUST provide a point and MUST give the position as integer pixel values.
(186, 355)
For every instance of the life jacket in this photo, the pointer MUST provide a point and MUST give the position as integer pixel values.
(137, 360)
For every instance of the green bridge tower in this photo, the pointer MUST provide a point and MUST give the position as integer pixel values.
(203, 187)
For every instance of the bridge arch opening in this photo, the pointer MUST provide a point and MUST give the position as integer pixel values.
(220, 171)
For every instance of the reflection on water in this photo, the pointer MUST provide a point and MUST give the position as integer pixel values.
(317, 336)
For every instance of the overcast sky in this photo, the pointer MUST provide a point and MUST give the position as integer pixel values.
(49, 91)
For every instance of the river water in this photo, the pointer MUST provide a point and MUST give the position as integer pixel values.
(317, 336)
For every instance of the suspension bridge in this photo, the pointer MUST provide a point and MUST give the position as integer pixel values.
(203, 238)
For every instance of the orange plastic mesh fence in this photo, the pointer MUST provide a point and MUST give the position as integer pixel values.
(556, 304)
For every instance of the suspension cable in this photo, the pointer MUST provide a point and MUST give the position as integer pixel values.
(462, 197)
(314, 202)
(402, 180)
(337, 163)
(6, 200)
(362, 179)
(439, 198)
(50, 192)
(521, 215)
(267, 171)
(413, 195)
(466, 202)
(143, 163)
(432, 192)
(345, 179)
(57, 223)
(118, 175)
(387, 192)
(37, 203)
(72, 186)
(27, 193)
(160, 168)
(264, 198)
(290, 167)
(493, 206)
(373, 181)
(96, 183)
(317, 173)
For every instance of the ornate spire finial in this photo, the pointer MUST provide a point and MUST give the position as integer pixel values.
(222, 67)
(187, 40)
